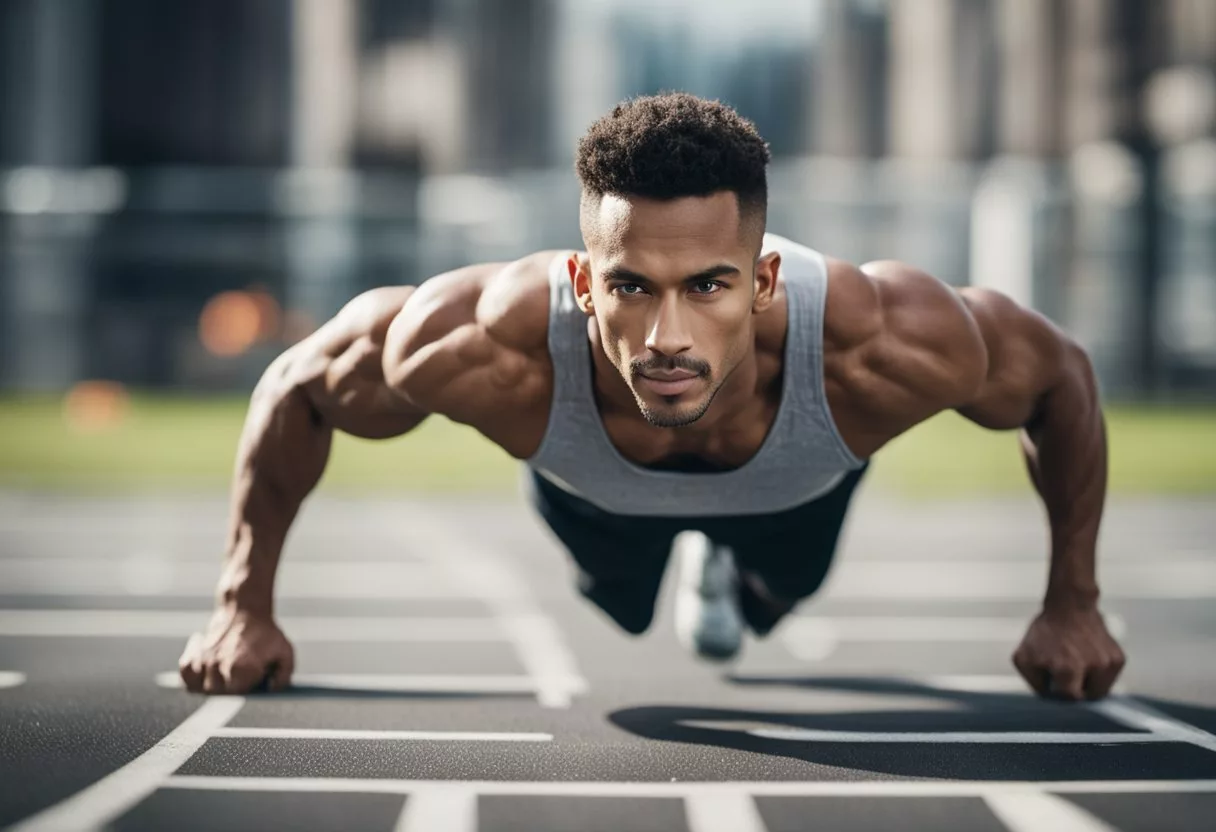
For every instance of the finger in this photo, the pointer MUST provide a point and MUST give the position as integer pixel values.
(1034, 675)
(1066, 683)
(241, 678)
(189, 668)
(192, 677)
(281, 671)
(1100, 680)
(213, 682)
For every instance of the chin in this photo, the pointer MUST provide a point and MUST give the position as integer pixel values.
(673, 416)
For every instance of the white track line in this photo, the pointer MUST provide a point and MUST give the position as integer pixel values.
(800, 788)
(1141, 717)
(11, 679)
(723, 810)
(977, 737)
(150, 577)
(179, 624)
(543, 653)
(981, 683)
(484, 575)
(1118, 708)
(114, 794)
(815, 638)
(992, 683)
(1147, 724)
(1034, 810)
(1013, 580)
(450, 808)
(395, 682)
(919, 628)
(370, 734)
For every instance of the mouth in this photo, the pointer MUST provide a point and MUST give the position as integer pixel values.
(670, 385)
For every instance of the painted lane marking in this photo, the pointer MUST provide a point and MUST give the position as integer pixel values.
(484, 575)
(149, 577)
(1147, 724)
(759, 788)
(178, 624)
(976, 683)
(724, 810)
(448, 807)
(370, 734)
(1119, 707)
(114, 794)
(1141, 717)
(991, 737)
(394, 682)
(1033, 810)
(815, 638)
(1013, 580)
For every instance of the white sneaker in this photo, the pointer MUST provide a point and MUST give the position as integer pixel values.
(709, 622)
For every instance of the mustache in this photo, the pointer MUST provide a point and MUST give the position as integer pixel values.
(641, 366)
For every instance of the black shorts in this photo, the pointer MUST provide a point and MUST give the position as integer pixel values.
(621, 558)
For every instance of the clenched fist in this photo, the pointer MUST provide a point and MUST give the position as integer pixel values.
(1069, 655)
(238, 652)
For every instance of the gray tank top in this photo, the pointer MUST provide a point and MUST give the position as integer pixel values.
(802, 456)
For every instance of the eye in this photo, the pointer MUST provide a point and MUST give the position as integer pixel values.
(707, 287)
(627, 289)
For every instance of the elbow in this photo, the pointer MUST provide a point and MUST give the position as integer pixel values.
(1074, 393)
(1080, 366)
(394, 361)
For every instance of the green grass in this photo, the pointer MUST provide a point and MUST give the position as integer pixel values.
(189, 443)
(1151, 451)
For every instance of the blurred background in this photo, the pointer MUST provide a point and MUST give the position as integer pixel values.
(187, 188)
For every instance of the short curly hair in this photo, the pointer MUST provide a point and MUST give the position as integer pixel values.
(675, 145)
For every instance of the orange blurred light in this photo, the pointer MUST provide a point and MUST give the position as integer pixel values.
(95, 406)
(231, 323)
(271, 314)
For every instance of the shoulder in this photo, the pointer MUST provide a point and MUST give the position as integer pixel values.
(474, 340)
(912, 330)
(508, 302)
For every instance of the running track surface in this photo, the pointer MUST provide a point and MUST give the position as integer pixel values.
(449, 678)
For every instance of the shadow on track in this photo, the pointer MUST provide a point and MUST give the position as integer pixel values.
(962, 711)
(336, 692)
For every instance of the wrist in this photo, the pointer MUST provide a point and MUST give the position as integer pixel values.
(240, 588)
(1073, 598)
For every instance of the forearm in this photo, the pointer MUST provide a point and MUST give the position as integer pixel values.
(1066, 453)
(282, 453)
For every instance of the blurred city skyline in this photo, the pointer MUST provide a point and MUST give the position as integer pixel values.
(156, 156)
(492, 85)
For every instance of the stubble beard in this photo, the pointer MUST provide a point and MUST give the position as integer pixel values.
(675, 418)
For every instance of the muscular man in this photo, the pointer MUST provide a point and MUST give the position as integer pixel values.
(687, 383)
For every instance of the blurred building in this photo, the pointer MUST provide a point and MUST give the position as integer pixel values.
(154, 155)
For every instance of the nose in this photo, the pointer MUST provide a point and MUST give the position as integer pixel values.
(670, 333)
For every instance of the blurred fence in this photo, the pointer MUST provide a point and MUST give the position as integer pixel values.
(109, 274)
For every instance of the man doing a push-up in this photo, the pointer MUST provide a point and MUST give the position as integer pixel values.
(686, 383)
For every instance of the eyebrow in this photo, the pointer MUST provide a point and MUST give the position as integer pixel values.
(622, 273)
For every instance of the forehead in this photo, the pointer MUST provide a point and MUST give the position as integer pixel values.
(649, 233)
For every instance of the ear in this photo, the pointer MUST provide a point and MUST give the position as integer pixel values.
(579, 268)
(767, 269)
